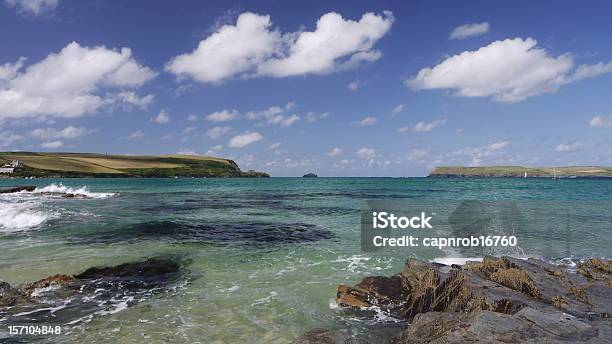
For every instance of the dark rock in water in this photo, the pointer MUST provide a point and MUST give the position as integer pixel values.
(310, 175)
(151, 268)
(374, 335)
(28, 188)
(379, 291)
(8, 295)
(55, 280)
(320, 336)
(96, 291)
(250, 233)
(64, 195)
(497, 300)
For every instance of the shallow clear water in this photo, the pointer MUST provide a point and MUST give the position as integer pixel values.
(262, 257)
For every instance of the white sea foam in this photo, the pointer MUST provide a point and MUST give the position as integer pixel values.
(61, 189)
(456, 261)
(41, 292)
(265, 300)
(231, 289)
(21, 216)
(118, 306)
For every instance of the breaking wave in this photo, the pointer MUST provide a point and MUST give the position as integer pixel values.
(61, 189)
(21, 216)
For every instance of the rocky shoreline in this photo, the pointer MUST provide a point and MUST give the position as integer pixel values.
(498, 300)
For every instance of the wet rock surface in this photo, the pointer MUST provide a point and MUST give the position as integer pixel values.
(498, 300)
(64, 195)
(20, 188)
(63, 299)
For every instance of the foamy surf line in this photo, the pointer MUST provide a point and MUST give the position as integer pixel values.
(61, 189)
(568, 262)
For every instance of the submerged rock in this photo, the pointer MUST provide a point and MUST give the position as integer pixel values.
(320, 336)
(64, 195)
(28, 188)
(243, 233)
(98, 290)
(51, 281)
(146, 269)
(497, 300)
(8, 294)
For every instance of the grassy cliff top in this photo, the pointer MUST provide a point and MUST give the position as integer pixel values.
(93, 164)
(519, 171)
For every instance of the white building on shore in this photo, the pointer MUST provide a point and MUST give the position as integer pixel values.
(10, 167)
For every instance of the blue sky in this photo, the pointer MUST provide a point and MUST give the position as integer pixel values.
(337, 88)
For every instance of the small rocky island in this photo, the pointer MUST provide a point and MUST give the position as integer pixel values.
(310, 175)
(498, 300)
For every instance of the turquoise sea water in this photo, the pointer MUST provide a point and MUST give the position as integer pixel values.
(261, 257)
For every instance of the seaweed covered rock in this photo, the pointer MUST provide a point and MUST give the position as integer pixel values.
(378, 291)
(526, 326)
(595, 268)
(503, 299)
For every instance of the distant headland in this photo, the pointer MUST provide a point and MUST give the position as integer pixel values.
(74, 165)
(522, 172)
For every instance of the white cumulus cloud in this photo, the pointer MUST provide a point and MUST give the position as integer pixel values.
(601, 121)
(245, 139)
(162, 117)
(132, 99)
(275, 115)
(355, 85)
(8, 138)
(52, 144)
(469, 30)
(231, 50)
(335, 151)
(367, 121)
(217, 132)
(480, 153)
(399, 108)
(567, 147)
(223, 116)
(68, 83)
(366, 153)
(312, 117)
(508, 71)
(70, 132)
(33, 7)
(9, 70)
(423, 126)
(252, 47)
(275, 145)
